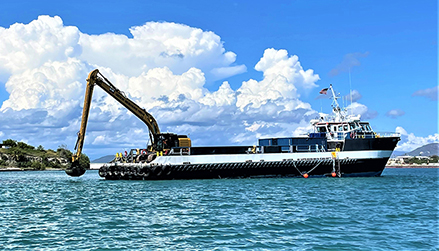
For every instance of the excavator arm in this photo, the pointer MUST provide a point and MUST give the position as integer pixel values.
(108, 87)
(96, 78)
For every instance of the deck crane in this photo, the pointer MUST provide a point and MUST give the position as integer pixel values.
(159, 141)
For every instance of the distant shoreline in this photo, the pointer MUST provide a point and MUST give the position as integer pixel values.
(412, 166)
(53, 169)
(93, 166)
(17, 169)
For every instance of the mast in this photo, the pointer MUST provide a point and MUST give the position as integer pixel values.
(339, 116)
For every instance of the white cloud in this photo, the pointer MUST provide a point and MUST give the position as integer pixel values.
(349, 61)
(28, 46)
(282, 76)
(160, 82)
(55, 86)
(401, 130)
(159, 44)
(225, 96)
(164, 68)
(430, 93)
(357, 108)
(225, 72)
(409, 141)
(181, 104)
(354, 96)
(275, 64)
(395, 113)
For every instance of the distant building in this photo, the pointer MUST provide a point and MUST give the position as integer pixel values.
(405, 159)
(4, 146)
(402, 159)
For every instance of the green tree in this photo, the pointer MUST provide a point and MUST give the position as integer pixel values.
(18, 155)
(63, 152)
(25, 146)
(45, 162)
(10, 142)
(84, 161)
(40, 148)
(36, 165)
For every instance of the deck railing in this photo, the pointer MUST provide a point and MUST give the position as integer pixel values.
(309, 148)
(368, 135)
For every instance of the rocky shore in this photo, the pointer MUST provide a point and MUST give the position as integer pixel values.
(14, 159)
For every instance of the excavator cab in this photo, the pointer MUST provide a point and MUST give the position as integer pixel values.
(166, 141)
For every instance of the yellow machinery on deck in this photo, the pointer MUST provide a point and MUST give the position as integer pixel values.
(159, 141)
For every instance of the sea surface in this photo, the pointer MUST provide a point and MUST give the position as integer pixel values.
(49, 210)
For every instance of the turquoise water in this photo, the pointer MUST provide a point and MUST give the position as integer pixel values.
(49, 210)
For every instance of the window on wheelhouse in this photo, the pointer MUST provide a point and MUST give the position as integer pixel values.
(351, 126)
(321, 129)
(366, 127)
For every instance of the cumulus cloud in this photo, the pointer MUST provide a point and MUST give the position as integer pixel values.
(277, 66)
(395, 113)
(354, 95)
(256, 108)
(430, 93)
(159, 44)
(409, 141)
(54, 86)
(361, 109)
(283, 75)
(163, 68)
(28, 46)
(349, 61)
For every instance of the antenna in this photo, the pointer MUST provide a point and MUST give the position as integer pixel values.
(350, 86)
(321, 107)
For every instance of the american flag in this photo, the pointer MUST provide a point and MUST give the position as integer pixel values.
(324, 91)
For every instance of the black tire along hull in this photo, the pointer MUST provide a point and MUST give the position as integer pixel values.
(288, 168)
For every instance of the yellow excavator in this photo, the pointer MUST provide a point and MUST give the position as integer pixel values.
(160, 142)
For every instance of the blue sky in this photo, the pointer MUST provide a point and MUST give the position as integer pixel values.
(390, 48)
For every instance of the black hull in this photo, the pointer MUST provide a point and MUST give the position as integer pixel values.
(287, 168)
(358, 144)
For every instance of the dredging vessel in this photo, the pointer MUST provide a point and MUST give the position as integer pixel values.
(341, 145)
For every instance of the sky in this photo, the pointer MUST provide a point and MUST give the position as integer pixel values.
(224, 72)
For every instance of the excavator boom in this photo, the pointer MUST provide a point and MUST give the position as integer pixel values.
(96, 78)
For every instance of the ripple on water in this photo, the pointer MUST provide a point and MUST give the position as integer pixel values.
(49, 210)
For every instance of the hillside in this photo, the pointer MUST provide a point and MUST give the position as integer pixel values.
(397, 153)
(104, 159)
(21, 155)
(427, 150)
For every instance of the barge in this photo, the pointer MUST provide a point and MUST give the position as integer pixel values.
(341, 145)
